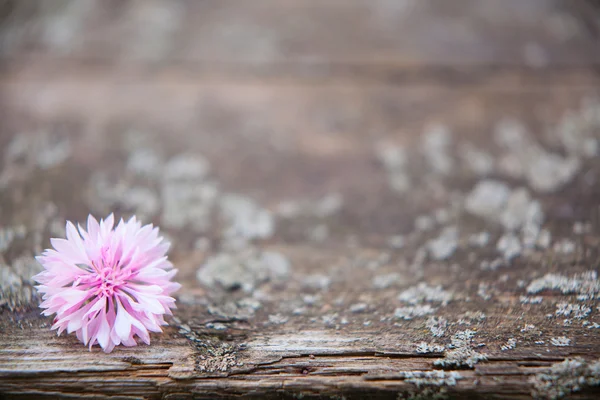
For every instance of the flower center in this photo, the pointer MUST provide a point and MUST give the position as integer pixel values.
(110, 276)
(109, 281)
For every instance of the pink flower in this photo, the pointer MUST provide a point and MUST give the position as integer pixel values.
(108, 285)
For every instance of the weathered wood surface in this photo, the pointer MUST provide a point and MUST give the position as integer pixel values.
(344, 140)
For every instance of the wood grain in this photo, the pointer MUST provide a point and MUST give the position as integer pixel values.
(290, 104)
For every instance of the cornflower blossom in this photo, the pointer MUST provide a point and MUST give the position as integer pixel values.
(108, 285)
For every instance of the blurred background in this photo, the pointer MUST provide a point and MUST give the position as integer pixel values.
(364, 143)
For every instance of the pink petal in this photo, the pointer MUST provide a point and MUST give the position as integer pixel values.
(122, 323)
(93, 229)
(103, 334)
(98, 304)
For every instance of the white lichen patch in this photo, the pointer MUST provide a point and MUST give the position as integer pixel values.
(188, 197)
(385, 281)
(528, 328)
(520, 215)
(41, 149)
(408, 313)
(578, 129)
(492, 265)
(358, 308)
(437, 326)
(488, 199)
(577, 311)
(548, 172)
(560, 341)
(245, 270)
(442, 247)
(245, 218)
(509, 246)
(316, 282)
(544, 239)
(426, 348)
(530, 299)
(564, 246)
(142, 200)
(424, 223)
(521, 210)
(443, 215)
(510, 344)
(105, 194)
(216, 326)
(327, 206)
(329, 319)
(462, 353)
(28, 151)
(483, 291)
(188, 204)
(480, 239)
(525, 158)
(186, 167)
(153, 45)
(476, 160)
(396, 241)
(9, 234)
(432, 378)
(145, 162)
(395, 161)
(425, 293)
(435, 146)
(278, 319)
(311, 299)
(567, 377)
(318, 233)
(585, 285)
(16, 286)
(510, 134)
(582, 228)
(474, 316)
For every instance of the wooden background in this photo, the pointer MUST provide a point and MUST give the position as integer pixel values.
(315, 164)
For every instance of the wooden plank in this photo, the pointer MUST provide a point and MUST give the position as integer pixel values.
(328, 328)
(273, 35)
(370, 267)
